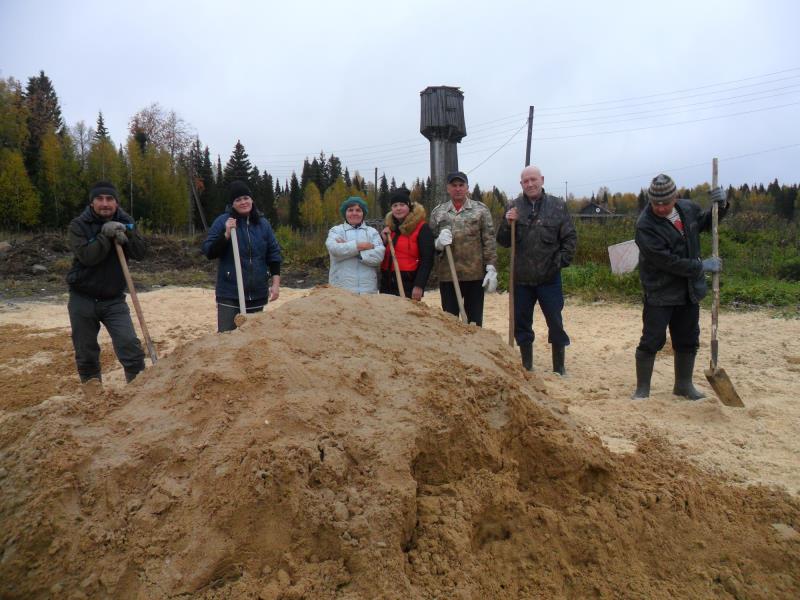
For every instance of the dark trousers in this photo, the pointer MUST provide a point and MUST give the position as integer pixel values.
(227, 309)
(389, 282)
(550, 297)
(471, 292)
(85, 316)
(684, 328)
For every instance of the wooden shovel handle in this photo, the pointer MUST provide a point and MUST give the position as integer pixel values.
(511, 284)
(452, 263)
(151, 350)
(238, 267)
(396, 266)
(714, 276)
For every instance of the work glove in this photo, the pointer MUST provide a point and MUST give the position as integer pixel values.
(121, 238)
(111, 228)
(490, 281)
(712, 264)
(719, 196)
(445, 239)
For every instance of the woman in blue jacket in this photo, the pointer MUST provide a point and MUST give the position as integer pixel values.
(259, 254)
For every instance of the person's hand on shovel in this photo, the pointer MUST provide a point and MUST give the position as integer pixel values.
(712, 264)
(719, 196)
(445, 239)
(229, 224)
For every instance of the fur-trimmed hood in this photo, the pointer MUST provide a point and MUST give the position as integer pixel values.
(414, 218)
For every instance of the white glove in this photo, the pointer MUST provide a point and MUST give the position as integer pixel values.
(490, 281)
(445, 239)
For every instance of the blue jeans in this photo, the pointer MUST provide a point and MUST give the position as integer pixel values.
(551, 300)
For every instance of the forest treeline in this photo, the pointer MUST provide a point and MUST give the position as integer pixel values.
(168, 180)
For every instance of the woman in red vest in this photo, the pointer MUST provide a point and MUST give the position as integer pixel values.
(413, 246)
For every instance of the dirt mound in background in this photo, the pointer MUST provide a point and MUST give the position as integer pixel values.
(363, 447)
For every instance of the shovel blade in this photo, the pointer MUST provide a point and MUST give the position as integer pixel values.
(723, 387)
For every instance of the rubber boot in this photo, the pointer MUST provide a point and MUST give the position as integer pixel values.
(558, 360)
(92, 387)
(684, 367)
(131, 375)
(644, 372)
(526, 351)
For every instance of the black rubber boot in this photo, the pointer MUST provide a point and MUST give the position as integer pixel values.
(644, 372)
(526, 351)
(558, 360)
(130, 376)
(684, 367)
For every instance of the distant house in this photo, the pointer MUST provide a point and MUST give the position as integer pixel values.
(593, 211)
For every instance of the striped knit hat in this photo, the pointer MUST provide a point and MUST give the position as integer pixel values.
(662, 190)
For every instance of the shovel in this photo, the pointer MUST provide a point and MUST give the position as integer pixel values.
(716, 375)
(396, 267)
(240, 318)
(151, 350)
(452, 263)
(511, 284)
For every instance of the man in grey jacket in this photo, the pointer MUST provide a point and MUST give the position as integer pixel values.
(546, 241)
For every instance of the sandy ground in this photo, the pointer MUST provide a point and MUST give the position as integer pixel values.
(757, 444)
(345, 447)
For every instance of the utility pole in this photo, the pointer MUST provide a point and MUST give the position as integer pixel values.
(530, 135)
(377, 208)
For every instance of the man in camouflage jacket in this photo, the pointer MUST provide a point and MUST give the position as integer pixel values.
(546, 241)
(466, 226)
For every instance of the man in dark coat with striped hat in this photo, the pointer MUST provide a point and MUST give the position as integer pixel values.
(673, 280)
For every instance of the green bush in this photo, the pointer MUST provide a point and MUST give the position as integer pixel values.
(790, 270)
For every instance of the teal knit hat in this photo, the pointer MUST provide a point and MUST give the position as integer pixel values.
(350, 202)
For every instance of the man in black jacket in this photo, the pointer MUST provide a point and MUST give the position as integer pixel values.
(97, 283)
(546, 241)
(673, 281)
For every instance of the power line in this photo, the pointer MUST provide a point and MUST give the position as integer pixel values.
(500, 148)
(687, 167)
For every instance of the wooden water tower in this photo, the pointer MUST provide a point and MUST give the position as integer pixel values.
(442, 123)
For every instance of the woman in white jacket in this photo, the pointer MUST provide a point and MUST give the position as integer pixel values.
(356, 250)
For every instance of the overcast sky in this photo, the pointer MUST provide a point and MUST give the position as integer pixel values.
(622, 90)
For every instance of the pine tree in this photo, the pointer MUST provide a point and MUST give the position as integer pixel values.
(477, 194)
(383, 194)
(43, 116)
(101, 133)
(266, 197)
(347, 181)
(295, 200)
(334, 170)
(238, 166)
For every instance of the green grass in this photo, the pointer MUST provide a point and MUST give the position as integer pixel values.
(761, 258)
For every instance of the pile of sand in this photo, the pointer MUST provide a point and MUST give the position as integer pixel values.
(363, 447)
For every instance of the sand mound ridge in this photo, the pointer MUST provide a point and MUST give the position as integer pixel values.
(363, 447)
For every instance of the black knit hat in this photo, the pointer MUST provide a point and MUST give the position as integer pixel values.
(400, 195)
(662, 190)
(103, 188)
(238, 189)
